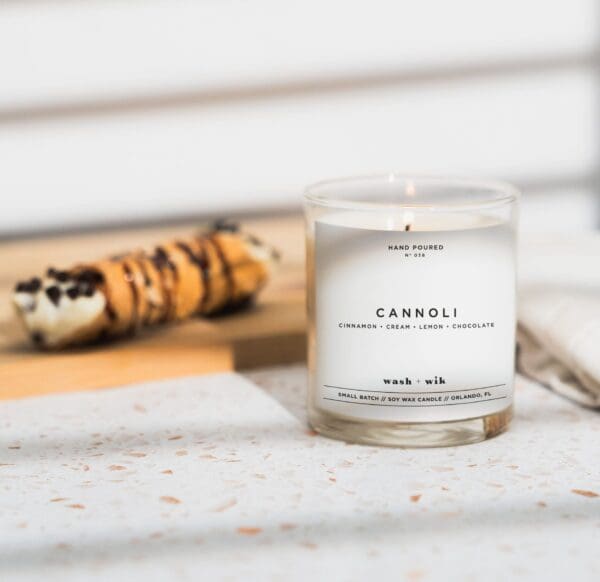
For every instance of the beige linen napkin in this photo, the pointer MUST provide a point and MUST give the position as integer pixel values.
(559, 317)
(559, 341)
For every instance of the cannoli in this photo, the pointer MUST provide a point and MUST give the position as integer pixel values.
(203, 275)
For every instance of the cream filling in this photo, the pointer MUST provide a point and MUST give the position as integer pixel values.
(59, 322)
(262, 252)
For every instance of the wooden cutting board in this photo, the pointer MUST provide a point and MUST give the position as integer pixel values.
(271, 332)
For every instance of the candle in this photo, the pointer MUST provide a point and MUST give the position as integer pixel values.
(411, 307)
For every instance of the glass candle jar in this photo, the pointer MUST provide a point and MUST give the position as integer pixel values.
(411, 309)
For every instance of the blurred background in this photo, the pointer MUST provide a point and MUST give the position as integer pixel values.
(128, 112)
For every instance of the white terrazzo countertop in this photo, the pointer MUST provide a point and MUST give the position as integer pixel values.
(218, 478)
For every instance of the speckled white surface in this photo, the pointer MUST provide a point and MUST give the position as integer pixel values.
(217, 478)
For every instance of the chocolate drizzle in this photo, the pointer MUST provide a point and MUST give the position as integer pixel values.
(206, 295)
(158, 260)
(127, 273)
(139, 261)
(147, 280)
(161, 259)
(201, 262)
(108, 308)
(226, 268)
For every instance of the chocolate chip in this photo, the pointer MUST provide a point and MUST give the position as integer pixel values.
(73, 292)
(37, 337)
(87, 290)
(62, 276)
(31, 286)
(90, 276)
(53, 294)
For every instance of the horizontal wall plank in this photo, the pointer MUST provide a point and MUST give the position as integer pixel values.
(54, 52)
(564, 210)
(259, 154)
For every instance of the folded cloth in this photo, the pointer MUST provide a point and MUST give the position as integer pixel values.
(559, 341)
(559, 317)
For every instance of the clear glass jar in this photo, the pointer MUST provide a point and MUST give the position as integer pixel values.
(411, 309)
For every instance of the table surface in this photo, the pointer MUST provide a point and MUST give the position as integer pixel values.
(219, 478)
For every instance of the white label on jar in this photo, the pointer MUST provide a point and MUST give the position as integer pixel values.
(414, 326)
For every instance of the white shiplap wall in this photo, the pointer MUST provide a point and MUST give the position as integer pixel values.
(142, 110)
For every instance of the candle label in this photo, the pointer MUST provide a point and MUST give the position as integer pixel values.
(414, 326)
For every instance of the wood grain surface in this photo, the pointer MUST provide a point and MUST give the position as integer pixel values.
(270, 332)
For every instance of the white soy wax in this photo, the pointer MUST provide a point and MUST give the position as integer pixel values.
(411, 306)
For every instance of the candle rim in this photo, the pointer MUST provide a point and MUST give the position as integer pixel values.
(498, 192)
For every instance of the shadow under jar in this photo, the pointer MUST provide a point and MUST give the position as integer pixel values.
(411, 309)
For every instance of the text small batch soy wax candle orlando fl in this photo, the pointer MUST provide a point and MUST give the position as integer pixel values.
(411, 306)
